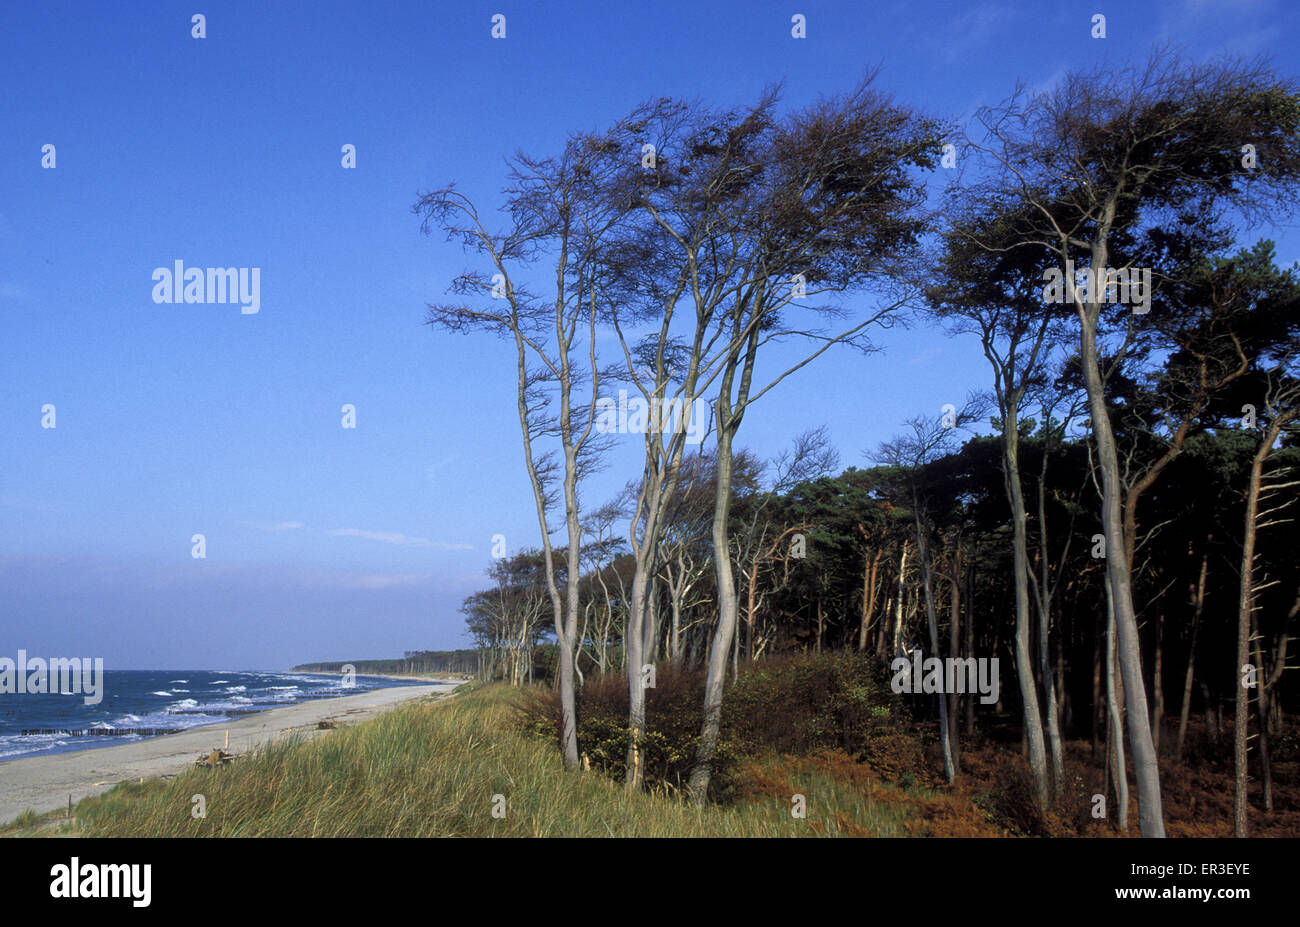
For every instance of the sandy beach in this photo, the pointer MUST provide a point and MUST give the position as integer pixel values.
(43, 783)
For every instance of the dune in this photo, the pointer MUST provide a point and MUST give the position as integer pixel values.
(43, 783)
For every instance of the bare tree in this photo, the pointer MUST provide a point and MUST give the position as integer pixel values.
(910, 454)
(1281, 407)
(557, 211)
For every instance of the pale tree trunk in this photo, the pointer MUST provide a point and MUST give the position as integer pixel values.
(954, 649)
(1044, 598)
(1157, 683)
(633, 643)
(1262, 706)
(1115, 725)
(868, 597)
(568, 690)
(1245, 608)
(932, 622)
(898, 608)
(702, 772)
(1241, 717)
(1198, 605)
(751, 609)
(970, 637)
(1146, 768)
(1033, 719)
(675, 635)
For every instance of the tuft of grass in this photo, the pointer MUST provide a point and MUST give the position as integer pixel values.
(32, 824)
(435, 769)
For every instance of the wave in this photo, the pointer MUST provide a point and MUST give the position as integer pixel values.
(162, 693)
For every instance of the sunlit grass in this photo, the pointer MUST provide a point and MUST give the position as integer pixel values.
(430, 769)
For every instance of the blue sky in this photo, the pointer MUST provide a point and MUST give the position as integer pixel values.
(332, 543)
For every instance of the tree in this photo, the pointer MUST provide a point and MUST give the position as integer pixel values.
(1092, 166)
(1281, 408)
(988, 287)
(909, 456)
(558, 210)
(829, 205)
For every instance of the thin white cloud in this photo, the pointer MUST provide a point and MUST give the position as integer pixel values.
(976, 27)
(274, 526)
(382, 580)
(395, 537)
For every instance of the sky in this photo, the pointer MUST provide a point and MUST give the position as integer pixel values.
(172, 420)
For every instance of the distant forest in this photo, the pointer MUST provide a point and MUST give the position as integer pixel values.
(412, 662)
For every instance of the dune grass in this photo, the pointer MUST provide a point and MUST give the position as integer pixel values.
(434, 769)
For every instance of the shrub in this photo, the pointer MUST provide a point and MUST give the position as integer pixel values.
(793, 704)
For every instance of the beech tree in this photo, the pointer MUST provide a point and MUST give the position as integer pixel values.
(832, 203)
(557, 212)
(1091, 167)
(992, 289)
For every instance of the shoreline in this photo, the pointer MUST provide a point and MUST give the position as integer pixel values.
(430, 677)
(43, 783)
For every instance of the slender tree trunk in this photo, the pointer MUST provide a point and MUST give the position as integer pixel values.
(751, 608)
(1033, 719)
(868, 597)
(675, 639)
(1198, 604)
(932, 620)
(1245, 608)
(702, 772)
(1145, 765)
(898, 609)
(633, 644)
(1116, 723)
(954, 649)
(1262, 707)
(970, 638)
(1044, 598)
(1157, 683)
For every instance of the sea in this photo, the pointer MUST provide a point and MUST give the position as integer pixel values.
(152, 703)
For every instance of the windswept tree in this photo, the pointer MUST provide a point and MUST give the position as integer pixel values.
(986, 286)
(557, 212)
(1093, 169)
(823, 202)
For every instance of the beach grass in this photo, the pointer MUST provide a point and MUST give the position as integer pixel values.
(461, 766)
